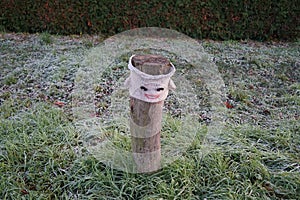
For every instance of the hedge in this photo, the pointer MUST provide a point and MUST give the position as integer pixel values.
(214, 19)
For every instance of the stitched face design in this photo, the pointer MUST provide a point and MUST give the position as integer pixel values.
(152, 90)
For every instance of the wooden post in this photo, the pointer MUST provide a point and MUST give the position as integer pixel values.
(146, 117)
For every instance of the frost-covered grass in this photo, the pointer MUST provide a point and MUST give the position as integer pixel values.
(42, 155)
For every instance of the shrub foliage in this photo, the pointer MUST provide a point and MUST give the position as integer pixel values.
(215, 19)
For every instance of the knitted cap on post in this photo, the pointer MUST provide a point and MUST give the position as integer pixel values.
(149, 88)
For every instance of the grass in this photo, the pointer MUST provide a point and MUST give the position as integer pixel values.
(46, 38)
(257, 156)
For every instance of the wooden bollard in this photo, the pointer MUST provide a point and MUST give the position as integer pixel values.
(146, 110)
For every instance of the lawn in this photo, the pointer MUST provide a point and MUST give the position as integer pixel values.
(43, 155)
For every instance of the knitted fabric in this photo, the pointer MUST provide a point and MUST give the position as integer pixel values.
(149, 88)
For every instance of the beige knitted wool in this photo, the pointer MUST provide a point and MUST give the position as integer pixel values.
(149, 88)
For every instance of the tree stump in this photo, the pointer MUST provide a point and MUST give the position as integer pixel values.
(145, 123)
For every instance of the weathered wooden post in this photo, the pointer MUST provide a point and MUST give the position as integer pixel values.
(148, 85)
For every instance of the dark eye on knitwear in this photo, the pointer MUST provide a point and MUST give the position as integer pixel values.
(145, 89)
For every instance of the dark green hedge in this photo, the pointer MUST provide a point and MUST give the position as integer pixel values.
(215, 19)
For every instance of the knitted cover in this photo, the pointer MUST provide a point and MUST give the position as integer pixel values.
(149, 88)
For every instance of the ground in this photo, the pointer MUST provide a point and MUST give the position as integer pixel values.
(42, 155)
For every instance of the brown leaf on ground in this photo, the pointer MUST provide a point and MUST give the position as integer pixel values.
(59, 103)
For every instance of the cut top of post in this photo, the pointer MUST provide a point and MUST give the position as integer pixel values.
(152, 64)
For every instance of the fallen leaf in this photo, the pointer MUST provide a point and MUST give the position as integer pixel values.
(229, 104)
(24, 192)
(266, 112)
(59, 103)
(251, 87)
(268, 187)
